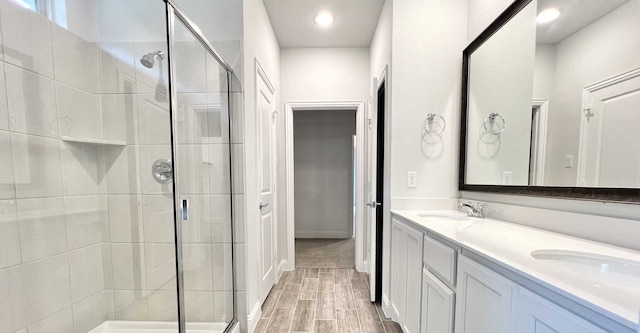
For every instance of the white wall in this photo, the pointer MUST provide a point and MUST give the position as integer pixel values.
(501, 81)
(260, 44)
(428, 39)
(606, 48)
(316, 75)
(325, 74)
(544, 71)
(323, 144)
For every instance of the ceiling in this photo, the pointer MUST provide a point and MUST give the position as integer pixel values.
(354, 25)
(574, 15)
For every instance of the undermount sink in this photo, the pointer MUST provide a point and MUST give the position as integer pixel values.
(608, 270)
(457, 218)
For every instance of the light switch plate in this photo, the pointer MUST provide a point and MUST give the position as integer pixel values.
(568, 161)
(507, 177)
(412, 179)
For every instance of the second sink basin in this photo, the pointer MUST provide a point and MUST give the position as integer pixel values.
(609, 270)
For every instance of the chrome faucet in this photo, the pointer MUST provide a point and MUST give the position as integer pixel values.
(477, 211)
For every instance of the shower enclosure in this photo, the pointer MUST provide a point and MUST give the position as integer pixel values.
(116, 175)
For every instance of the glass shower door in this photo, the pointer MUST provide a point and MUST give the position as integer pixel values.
(202, 164)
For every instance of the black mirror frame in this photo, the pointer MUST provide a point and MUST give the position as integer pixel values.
(622, 195)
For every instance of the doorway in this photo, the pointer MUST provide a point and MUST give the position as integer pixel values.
(305, 188)
(324, 191)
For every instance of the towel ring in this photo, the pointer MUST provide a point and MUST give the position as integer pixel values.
(431, 117)
(491, 118)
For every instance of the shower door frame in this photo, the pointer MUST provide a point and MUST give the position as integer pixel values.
(173, 13)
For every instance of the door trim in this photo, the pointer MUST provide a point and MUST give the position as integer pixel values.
(290, 107)
(541, 151)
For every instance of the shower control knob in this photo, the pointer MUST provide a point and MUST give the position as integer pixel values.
(162, 171)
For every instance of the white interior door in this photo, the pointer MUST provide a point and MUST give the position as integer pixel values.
(265, 107)
(371, 208)
(610, 118)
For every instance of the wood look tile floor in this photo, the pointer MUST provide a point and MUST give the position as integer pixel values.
(323, 300)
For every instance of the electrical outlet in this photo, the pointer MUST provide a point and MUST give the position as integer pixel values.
(568, 161)
(507, 177)
(412, 179)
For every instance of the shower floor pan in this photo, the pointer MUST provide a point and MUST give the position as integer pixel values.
(120, 326)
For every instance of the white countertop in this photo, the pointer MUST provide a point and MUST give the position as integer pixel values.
(614, 293)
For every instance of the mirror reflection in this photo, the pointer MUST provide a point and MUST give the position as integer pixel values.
(553, 97)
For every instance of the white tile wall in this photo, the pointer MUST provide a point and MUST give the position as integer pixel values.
(117, 71)
(86, 271)
(37, 166)
(61, 322)
(9, 234)
(91, 312)
(119, 117)
(7, 180)
(128, 262)
(198, 266)
(191, 75)
(31, 101)
(86, 234)
(4, 109)
(80, 112)
(122, 169)
(76, 60)
(43, 228)
(125, 218)
(154, 120)
(87, 220)
(157, 217)
(46, 287)
(26, 39)
(130, 305)
(160, 266)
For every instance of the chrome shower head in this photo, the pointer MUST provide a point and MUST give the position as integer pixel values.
(148, 59)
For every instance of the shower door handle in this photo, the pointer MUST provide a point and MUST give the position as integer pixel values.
(185, 209)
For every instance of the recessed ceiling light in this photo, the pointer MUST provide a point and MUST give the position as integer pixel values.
(324, 19)
(548, 15)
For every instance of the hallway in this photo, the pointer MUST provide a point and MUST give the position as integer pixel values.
(325, 253)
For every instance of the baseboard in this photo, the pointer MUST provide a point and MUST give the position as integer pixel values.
(253, 317)
(324, 234)
(364, 268)
(235, 328)
(282, 266)
(386, 306)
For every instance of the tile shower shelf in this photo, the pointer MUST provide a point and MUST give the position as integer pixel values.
(89, 141)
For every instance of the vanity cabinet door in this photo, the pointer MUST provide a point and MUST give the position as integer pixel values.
(398, 269)
(484, 299)
(413, 243)
(406, 275)
(537, 315)
(437, 305)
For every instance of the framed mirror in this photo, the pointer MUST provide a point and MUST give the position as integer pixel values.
(551, 102)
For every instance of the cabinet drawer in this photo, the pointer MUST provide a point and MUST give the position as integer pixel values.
(440, 259)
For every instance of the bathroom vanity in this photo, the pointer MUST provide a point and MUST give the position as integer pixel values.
(453, 273)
